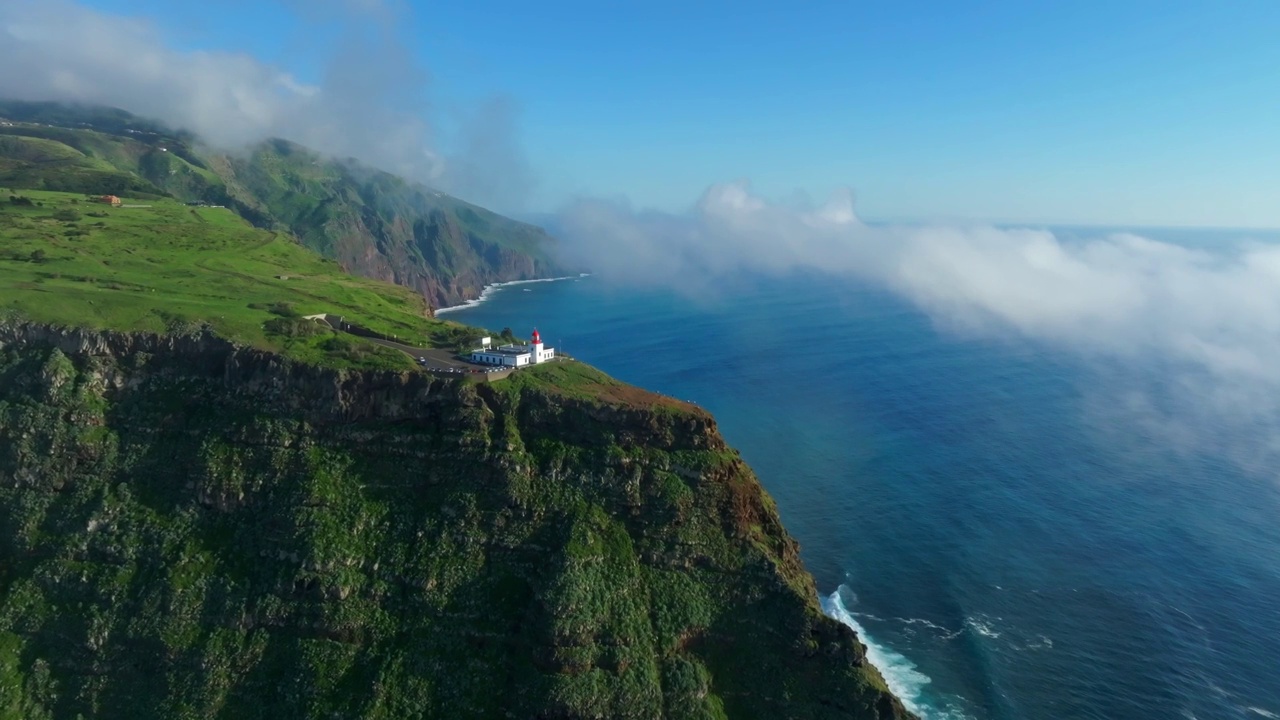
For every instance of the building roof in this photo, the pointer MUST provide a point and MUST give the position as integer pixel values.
(506, 350)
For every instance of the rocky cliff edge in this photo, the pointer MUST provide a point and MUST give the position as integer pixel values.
(196, 529)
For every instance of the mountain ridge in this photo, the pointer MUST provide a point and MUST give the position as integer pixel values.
(374, 223)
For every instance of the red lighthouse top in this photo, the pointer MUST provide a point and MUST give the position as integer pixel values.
(536, 337)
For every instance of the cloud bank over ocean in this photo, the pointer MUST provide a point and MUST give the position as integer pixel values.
(371, 103)
(1209, 319)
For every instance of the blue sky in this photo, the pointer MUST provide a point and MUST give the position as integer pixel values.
(1087, 112)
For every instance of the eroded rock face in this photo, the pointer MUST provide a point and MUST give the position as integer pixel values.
(381, 227)
(434, 254)
(194, 529)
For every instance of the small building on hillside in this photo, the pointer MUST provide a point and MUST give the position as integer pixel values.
(514, 355)
(110, 200)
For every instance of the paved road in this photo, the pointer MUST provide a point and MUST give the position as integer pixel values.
(436, 358)
(444, 362)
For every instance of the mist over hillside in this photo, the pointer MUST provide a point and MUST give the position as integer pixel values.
(371, 100)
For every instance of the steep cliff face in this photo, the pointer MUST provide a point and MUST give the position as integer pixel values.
(433, 253)
(381, 226)
(192, 529)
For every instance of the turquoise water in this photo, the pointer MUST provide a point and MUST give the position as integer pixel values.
(1007, 544)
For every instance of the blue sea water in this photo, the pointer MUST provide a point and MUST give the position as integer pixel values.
(1007, 547)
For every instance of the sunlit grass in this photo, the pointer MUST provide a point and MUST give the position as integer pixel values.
(67, 260)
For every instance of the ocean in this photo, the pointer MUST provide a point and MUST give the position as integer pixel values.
(1006, 543)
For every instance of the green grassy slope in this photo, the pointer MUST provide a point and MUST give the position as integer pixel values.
(374, 223)
(69, 261)
(42, 163)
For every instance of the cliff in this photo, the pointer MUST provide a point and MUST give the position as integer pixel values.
(381, 226)
(190, 528)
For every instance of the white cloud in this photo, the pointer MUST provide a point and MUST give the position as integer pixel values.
(371, 104)
(1120, 292)
(1211, 320)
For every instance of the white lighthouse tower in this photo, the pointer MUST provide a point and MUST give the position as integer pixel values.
(540, 353)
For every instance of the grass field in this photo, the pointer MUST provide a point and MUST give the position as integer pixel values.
(69, 261)
(578, 380)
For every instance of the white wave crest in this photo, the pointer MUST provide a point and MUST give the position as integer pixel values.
(900, 674)
(490, 289)
(982, 626)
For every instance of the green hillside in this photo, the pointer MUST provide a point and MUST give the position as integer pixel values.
(445, 248)
(163, 266)
(373, 223)
(109, 120)
(46, 164)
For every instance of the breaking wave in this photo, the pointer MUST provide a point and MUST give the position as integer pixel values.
(490, 289)
(902, 676)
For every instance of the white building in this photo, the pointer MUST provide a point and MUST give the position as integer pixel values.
(514, 355)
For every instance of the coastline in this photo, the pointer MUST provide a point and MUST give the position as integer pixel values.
(904, 680)
(494, 287)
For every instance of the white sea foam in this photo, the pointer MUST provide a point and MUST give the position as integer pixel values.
(1263, 713)
(901, 675)
(495, 287)
(1043, 643)
(982, 626)
(941, 633)
(922, 621)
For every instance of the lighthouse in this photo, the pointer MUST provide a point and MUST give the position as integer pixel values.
(514, 356)
(540, 353)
